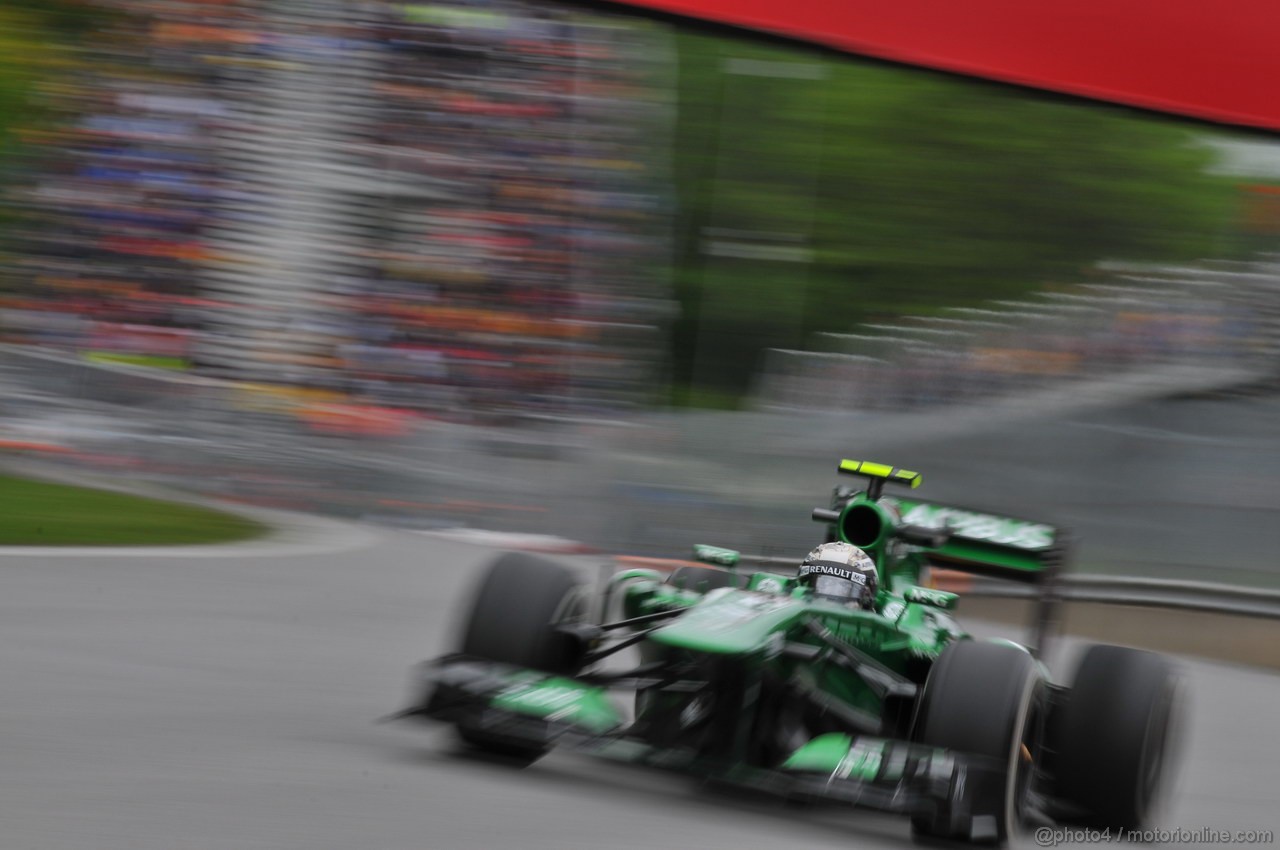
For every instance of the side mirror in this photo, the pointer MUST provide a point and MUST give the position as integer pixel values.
(927, 596)
(716, 555)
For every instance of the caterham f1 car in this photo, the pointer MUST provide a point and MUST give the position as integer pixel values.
(757, 679)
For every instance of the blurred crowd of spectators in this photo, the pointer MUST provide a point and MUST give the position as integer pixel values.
(109, 243)
(522, 279)
(523, 283)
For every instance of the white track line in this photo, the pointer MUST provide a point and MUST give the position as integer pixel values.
(546, 543)
(312, 536)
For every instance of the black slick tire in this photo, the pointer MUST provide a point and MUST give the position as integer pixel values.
(513, 617)
(1115, 739)
(984, 699)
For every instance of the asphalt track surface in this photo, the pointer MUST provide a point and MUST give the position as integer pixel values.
(228, 701)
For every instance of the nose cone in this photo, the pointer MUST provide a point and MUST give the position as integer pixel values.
(730, 622)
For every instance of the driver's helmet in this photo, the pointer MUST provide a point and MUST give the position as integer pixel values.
(841, 572)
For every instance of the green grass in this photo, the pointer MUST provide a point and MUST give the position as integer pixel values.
(41, 513)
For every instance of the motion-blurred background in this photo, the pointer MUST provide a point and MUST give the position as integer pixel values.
(533, 267)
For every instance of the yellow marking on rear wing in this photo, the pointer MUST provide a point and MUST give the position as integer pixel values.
(882, 471)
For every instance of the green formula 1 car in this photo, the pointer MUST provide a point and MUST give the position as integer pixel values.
(757, 678)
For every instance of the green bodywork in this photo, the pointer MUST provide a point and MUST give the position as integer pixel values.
(979, 538)
(559, 699)
(736, 622)
(753, 628)
(852, 663)
(821, 755)
(716, 555)
(841, 756)
(730, 665)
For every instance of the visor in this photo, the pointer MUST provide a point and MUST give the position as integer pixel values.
(833, 587)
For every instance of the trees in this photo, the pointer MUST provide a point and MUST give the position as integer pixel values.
(24, 53)
(35, 37)
(34, 49)
(816, 192)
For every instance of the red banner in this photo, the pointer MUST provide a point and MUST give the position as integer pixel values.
(1216, 61)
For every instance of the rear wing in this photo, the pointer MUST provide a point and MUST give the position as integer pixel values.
(971, 541)
(986, 544)
(959, 538)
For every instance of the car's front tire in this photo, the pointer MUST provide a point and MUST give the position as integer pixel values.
(985, 699)
(513, 619)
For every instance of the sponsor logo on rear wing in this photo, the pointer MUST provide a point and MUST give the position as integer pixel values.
(972, 525)
(985, 543)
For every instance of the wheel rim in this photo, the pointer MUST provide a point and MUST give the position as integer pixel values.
(1022, 767)
(1028, 757)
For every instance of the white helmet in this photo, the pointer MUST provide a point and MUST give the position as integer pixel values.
(841, 572)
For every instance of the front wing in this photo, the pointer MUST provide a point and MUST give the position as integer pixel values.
(959, 792)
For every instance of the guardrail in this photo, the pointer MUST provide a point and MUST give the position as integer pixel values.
(1147, 593)
(1110, 590)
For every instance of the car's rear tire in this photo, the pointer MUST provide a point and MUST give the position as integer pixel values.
(985, 699)
(1114, 737)
(703, 579)
(513, 618)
